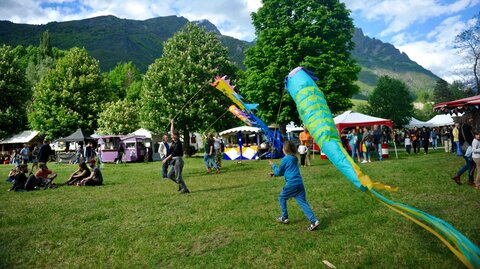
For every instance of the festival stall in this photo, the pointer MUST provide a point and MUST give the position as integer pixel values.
(241, 143)
(468, 106)
(351, 119)
(151, 143)
(17, 141)
(65, 147)
(133, 145)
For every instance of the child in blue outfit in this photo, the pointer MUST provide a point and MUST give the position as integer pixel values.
(294, 185)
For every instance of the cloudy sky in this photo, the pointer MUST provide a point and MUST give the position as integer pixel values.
(423, 29)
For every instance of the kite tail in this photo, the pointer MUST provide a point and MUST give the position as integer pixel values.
(460, 245)
(315, 113)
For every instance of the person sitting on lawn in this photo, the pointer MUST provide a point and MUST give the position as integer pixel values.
(42, 178)
(95, 177)
(11, 174)
(294, 187)
(81, 173)
(20, 178)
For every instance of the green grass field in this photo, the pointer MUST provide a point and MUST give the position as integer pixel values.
(138, 220)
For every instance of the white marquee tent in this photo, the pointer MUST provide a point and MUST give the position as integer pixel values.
(418, 123)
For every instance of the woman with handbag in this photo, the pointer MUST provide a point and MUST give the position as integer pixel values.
(466, 139)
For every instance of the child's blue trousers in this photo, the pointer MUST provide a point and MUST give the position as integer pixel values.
(297, 192)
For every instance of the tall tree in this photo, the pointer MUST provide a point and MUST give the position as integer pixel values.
(442, 92)
(15, 93)
(120, 117)
(310, 33)
(468, 42)
(177, 85)
(391, 99)
(42, 62)
(69, 96)
(122, 77)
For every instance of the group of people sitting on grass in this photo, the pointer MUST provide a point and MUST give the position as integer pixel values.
(43, 177)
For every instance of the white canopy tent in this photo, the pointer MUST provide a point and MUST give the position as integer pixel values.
(418, 123)
(243, 129)
(441, 120)
(21, 138)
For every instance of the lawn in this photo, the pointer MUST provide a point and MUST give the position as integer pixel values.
(138, 220)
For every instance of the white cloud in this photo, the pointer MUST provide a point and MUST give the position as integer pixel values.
(398, 15)
(436, 54)
(231, 17)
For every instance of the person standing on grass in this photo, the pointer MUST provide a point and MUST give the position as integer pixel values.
(25, 153)
(456, 138)
(476, 156)
(378, 140)
(164, 151)
(408, 143)
(209, 156)
(294, 187)
(44, 152)
(176, 157)
(466, 135)
(217, 145)
(367, 141)
(306, 139)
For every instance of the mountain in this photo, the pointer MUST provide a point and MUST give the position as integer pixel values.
(378, 58)
(112, 40)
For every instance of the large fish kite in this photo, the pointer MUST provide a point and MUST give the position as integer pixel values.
(244, 113)
(315, 113)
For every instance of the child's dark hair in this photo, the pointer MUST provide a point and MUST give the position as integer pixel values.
(289, 147)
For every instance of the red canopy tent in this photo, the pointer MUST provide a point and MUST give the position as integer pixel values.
(460, 105)
(353, 119)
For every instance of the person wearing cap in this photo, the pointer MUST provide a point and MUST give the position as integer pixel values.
(95, 178)
(176, 157)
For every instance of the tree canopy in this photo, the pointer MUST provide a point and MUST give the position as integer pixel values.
(177, 84)
(122, 77)
(314, 34)
(468, 42)
(15, 93)
(442, 92)
(118, 117)
(391, 99)
(69, 96)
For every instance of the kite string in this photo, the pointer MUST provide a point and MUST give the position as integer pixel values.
(276, 120)
(186, 103)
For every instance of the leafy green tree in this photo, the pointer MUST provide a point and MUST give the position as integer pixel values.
(424, 114)
(122, 77)
(134, 91)
(468, 42)
(120, 117)
(39, 64)
(69, 96)
(442, 92)
(15, 93)
(177, 85)
(391, 99)
(313, 34)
